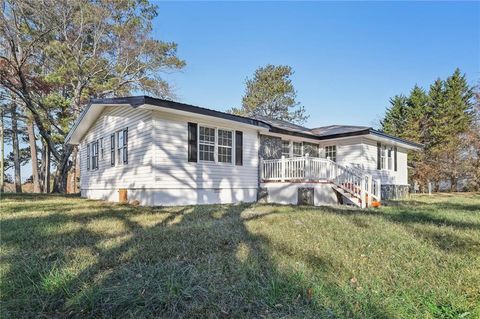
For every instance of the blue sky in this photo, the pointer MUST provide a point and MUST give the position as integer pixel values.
(349, 58)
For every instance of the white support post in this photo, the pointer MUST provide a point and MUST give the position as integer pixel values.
(363, 200)
(379, 190)
(307, 168)
(261, 169)
(370, 190)
(283, 168)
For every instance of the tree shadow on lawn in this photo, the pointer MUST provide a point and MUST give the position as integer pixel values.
(198, 261)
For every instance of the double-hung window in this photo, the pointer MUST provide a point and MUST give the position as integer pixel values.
(386, 157)
(297, 149)
(225, 144)
(122, 146)
(206, 144)
(390, 158)
(331, 152)
(94, 146)
(88, 156)
(383, 155)
(286, 148)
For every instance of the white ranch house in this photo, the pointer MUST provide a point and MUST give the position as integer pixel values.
(162, 152)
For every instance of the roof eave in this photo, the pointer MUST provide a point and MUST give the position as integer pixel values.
(407, 144)
(138, 101)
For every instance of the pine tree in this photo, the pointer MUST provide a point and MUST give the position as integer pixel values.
(442, 120)
(451, 120)
(271, 94)
(417, 108)
(396, 116)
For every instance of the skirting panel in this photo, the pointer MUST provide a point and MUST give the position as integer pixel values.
(175, 197)
(394, 191)
(288, 193)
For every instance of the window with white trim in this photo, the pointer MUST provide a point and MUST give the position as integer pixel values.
(88, 156)
(387, 153)
(383, 156)
(206, 144)
(94, 152)
(285, 148)
(225, 144)
(390, 158)
(297, 149)
(331, 152)
(122, 146)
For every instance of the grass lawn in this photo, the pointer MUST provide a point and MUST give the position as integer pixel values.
(71, 257)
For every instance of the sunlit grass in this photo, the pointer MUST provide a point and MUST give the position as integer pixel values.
(66, 256)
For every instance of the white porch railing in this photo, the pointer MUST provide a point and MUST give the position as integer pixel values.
(312, 169)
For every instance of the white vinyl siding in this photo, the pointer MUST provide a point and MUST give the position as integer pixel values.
(173, 171)
(361, 152)
(111, 178)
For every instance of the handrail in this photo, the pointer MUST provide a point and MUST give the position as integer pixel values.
(305, 168)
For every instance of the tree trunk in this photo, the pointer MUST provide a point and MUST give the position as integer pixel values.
(16, 150)
(2, 153)
(33, 152)
(77, 106)
(41, 174)
(61, 174)
(453, 184)
(46, 174)
(75, 169)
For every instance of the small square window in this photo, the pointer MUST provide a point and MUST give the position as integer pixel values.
(286, 148)
(297, 149)
(331, 152)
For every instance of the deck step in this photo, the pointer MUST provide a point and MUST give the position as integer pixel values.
(347, 195)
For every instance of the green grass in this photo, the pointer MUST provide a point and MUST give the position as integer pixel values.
(70, 257)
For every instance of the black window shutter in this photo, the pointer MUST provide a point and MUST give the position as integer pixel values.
(395, 158)
(192, 142)
(238, 148)
(379, 157)
(112, 149)
(125, 146)
(88, 156)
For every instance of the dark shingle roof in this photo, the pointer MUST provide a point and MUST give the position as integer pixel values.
(338, 129)
(284, 125)
(276, 126)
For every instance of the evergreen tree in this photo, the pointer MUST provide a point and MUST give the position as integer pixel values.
(451, 121)
(436, 96)
(417, 108)
(271, 94)
(396, 116)
(442, 120)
